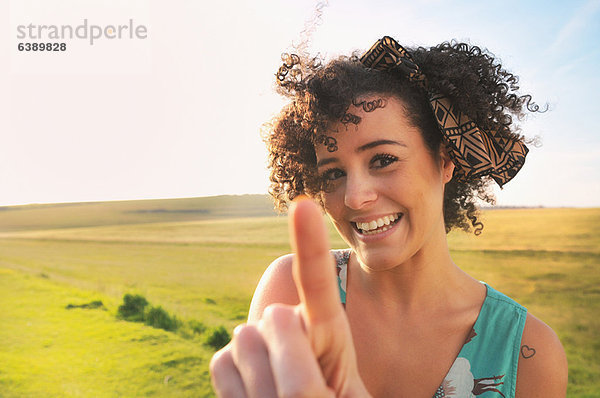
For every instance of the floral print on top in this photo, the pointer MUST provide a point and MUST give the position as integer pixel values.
(486, 366)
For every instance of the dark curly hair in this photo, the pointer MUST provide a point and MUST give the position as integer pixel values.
(321, 95)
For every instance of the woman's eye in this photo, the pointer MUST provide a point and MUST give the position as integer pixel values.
(332, 174)
(383, 160)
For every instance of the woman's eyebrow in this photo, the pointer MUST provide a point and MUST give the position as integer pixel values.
(362, 148)
(326, 161)
(377, 143)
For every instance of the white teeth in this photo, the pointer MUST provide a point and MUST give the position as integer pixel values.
(378, 231)
(381, 224)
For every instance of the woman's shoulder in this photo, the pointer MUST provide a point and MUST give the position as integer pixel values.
(277, 283)
(542, 363)
(276, 286)
(542, 370)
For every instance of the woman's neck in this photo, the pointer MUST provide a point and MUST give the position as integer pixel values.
(424, 282)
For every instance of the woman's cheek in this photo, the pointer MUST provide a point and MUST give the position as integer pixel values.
(333, 199)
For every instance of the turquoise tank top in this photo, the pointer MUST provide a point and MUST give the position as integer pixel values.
(486, 366)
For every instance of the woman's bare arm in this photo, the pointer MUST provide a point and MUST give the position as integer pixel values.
(542, 368)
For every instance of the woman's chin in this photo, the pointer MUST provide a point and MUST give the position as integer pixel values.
(380, 258)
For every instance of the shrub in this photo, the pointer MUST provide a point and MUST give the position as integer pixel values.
(133, 307)
(218, 338)
(90, 305)
(159, 318)
(197, 326)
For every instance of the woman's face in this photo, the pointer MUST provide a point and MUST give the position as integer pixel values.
(385, 188)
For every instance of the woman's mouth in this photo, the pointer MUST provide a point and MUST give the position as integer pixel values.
(378, 225)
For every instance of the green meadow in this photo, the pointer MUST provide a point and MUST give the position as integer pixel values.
(200, 260)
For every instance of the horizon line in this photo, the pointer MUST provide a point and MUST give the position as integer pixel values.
(75, 202)
(127, 200)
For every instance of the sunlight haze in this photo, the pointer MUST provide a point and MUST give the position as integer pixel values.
(179, 113)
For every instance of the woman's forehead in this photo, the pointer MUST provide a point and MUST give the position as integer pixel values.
(375, 109)
(387, 121)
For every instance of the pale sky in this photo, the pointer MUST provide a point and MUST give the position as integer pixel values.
(178, 113)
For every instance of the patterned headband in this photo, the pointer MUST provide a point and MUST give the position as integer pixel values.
(474, 152)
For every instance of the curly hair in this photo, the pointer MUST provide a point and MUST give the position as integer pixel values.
(321, 95)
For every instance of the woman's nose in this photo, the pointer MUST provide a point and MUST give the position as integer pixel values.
(359, 192)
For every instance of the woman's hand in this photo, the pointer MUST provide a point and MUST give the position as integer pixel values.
(299, 351)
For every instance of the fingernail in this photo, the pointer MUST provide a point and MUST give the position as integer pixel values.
(238, 329)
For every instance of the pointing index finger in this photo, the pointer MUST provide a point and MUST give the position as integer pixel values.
(314, 268)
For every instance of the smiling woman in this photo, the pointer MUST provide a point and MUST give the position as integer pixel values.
(384, 160)
(324, 94)
(396, 146)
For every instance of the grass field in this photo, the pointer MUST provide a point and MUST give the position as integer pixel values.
(201, 258)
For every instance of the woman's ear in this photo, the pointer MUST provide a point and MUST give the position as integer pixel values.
(446, 164)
